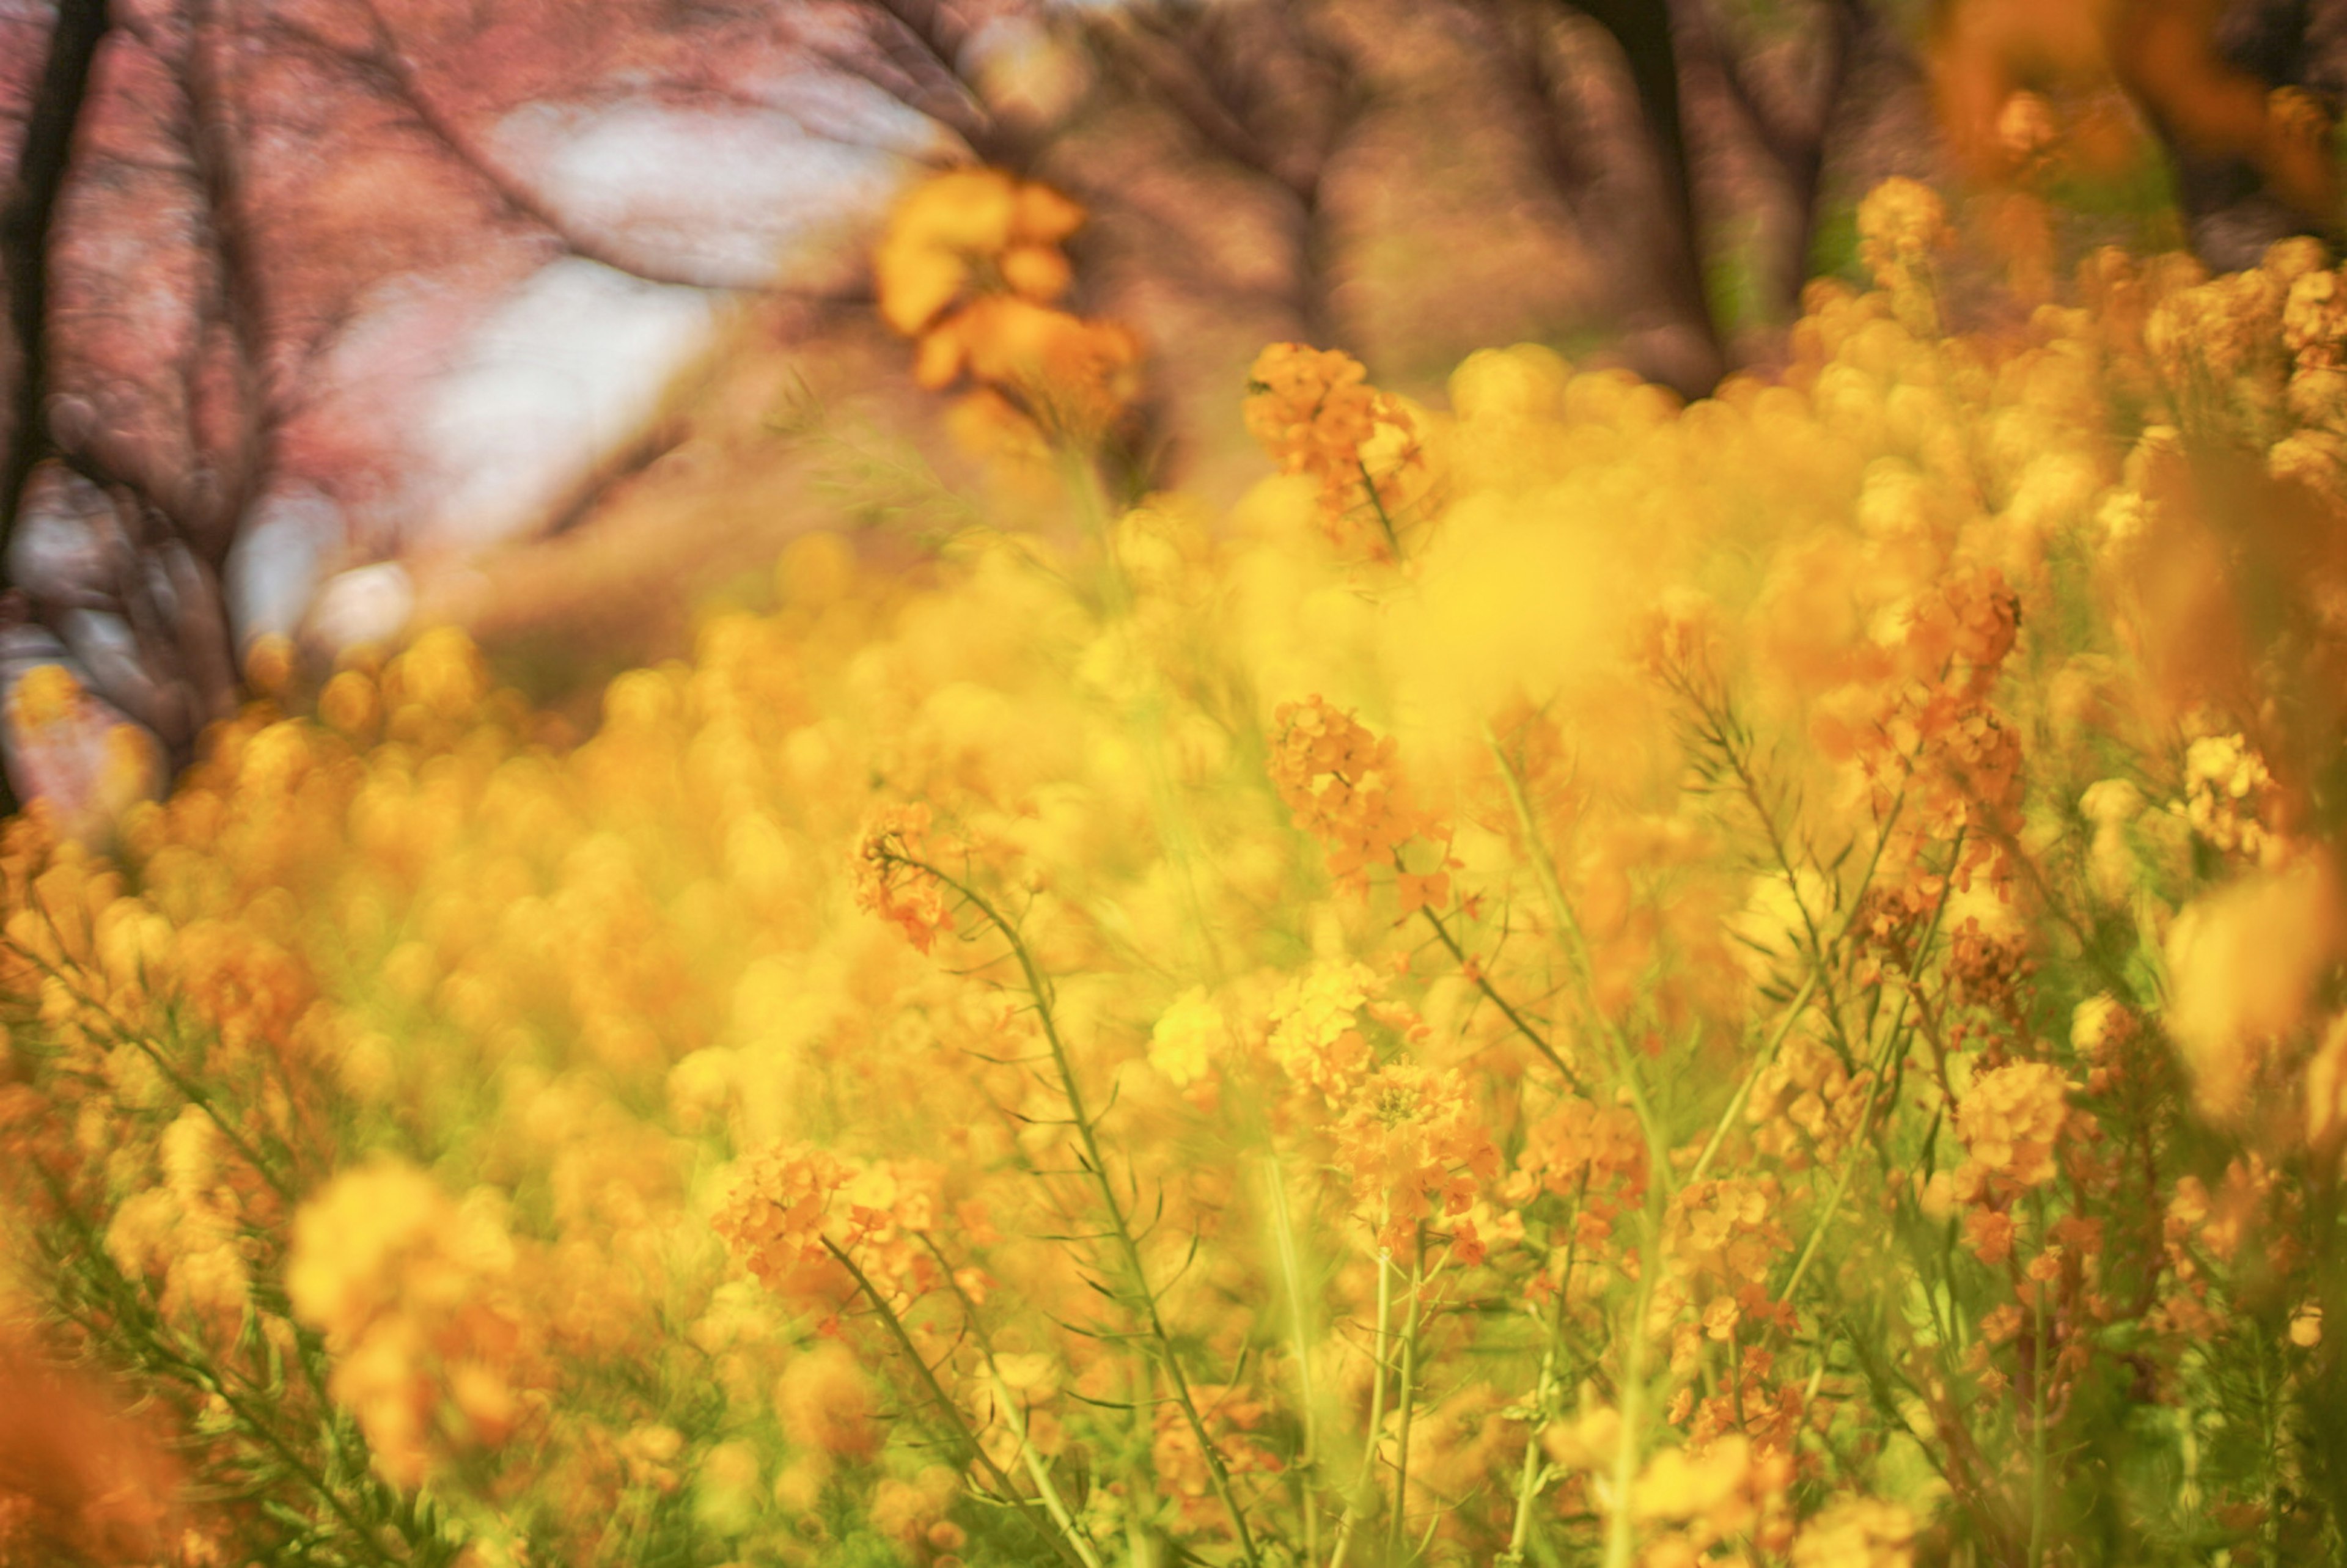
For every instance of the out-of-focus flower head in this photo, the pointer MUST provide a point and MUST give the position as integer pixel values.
(969, 266)
(1901, 224)
(1187, 1037)
(2227, 792)
(413, 1294)
(967, 231)
(2243, 963)
(1857, 1533)
(2010, 1120)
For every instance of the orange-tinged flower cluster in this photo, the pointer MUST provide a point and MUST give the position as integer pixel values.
(775, 1216)
(1593, 1154)
(969, 266)
(1725, 1239)
(893, 879)
(1314, 1029)
(1805, 1105)
(1314, 411)
(2229, 795)
(1921, 730)
(1233, 1414)
(1341, 783)
(1416, 1148)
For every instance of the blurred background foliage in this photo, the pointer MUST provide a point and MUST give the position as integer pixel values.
(329, 319)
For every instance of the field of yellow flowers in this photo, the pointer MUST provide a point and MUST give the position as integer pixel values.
(1581, 981)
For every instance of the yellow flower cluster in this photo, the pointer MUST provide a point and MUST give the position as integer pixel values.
(413, 1293)
(1416, 1148)
(1901, 225)
(2010, 1122)
(1001, 1063)
(2226, 790)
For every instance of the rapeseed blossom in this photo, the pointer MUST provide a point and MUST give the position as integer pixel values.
(1276, 1043)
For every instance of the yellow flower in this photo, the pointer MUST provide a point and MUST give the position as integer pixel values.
(1187, 1037)
(2243, 964)
(1313, 1034)
(1857, 1532)
(2011, 1117)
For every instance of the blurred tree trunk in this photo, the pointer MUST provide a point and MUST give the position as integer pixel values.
(55, 49)
(1646, 33)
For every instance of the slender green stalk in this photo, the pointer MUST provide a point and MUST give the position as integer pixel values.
(1079, 1116)
(1848, 1168)
(1621, 1530)
(1378, 502)
(1039, 1473)
(1894, 1041)
(956, 1425)
(128, 1305)
(1380, 1361)
(1720, 728)
(1529, 1481)
(1744, 1091)
(1291, 1270)
(1491, 994)
(1577, 953)
(2039, 1496)
(1014, 1413)
(1620, 1534)
(1408, 1396)
(187, 1088)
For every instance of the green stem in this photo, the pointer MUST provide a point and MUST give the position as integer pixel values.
(1409, 1398)
(958, 1426)
(1291, 1269)
(1620, 1534)
(2038, 1494)
(1378, 503)
(1013, 1413)
(1362, 1484)
(130, 1309)
(1483, 984)
(1577, 954)
(1894, 1040)
(1527, 1482)
(186, 1087)
(1744, 1091)
(1120, 1223)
